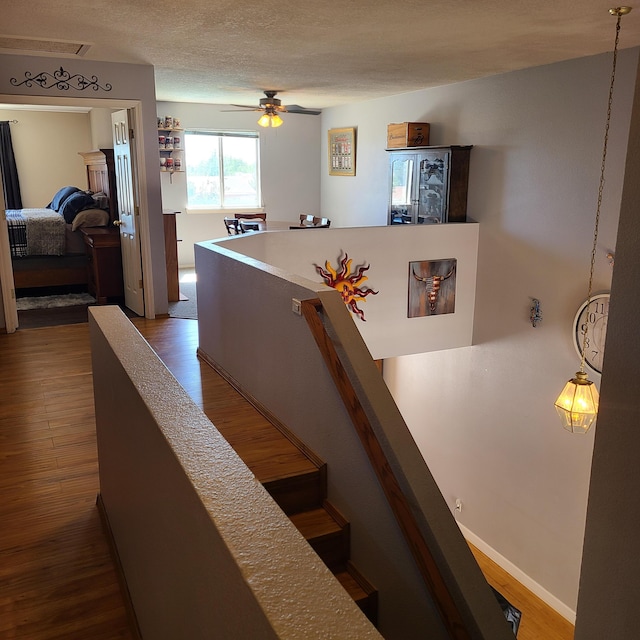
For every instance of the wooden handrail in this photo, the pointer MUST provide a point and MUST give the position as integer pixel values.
(433, 578)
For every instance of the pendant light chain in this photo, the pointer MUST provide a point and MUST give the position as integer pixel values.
(601, 185)
(577, 404)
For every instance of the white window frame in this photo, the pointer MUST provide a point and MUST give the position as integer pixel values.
(221, 134)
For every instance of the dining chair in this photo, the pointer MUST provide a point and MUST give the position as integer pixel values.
(233, 229)
(249, 224)
(249, 216)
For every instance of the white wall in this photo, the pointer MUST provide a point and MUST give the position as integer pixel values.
(483, 416)
(290, 169)
(386, 330)
(46, 146)
(101, 134)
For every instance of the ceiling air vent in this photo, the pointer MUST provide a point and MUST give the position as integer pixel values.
(52, 47)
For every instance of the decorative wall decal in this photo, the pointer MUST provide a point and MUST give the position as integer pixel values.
(347, 283)
(432, 287)
(60, 79)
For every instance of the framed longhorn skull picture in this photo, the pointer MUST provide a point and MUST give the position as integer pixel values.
(432, 287)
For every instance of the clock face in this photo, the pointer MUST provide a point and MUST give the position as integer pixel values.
(590, 330)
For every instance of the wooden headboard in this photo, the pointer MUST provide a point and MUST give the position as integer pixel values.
(101, 176)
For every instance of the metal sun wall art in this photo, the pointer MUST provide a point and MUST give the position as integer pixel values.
(432, 287)
(60, 79)
(347, 283)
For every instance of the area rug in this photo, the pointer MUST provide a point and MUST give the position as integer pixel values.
(187, 306)
(54, 302)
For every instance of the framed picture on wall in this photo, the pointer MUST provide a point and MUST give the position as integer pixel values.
(432, 287)
(342, 152)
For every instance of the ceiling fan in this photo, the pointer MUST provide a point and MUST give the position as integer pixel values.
(272, 107)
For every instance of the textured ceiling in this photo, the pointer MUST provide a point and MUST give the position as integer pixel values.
(321, 54)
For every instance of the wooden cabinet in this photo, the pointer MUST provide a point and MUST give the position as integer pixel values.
(102, 245)
(171, 255)
(428, 185)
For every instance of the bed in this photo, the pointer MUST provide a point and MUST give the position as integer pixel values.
(47, 245)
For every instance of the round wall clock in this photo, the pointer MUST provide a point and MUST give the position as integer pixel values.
(593, 322)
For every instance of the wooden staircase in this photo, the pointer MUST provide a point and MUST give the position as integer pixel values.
(293, 475)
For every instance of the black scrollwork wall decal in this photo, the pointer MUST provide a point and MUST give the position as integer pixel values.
(60, 79)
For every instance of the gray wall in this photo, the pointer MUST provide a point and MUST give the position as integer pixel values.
(483, 416)
(609, 582)
(270, 352)
(205, 550)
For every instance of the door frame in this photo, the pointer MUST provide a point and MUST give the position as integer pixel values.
(137, 124)
(6, 283)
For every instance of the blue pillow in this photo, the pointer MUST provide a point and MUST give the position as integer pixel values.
(60, 197)
(75, 203)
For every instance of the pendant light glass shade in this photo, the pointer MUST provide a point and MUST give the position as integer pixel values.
(577, 405)
(264, 120)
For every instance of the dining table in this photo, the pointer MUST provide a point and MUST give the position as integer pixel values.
(249, 225)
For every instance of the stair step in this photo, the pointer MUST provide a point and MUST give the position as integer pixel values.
(298, 492)
(364, 595)
(327, 532)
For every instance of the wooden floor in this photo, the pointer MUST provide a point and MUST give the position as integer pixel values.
(56, 575)
(539, 621)
(57, 579)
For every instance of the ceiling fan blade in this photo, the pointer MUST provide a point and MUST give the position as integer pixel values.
(295, 108)
(241, 107)
(272, 104)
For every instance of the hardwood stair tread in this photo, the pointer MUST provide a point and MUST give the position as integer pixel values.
(316, 523)
(360, 590)
(327, 532)
(352, 586)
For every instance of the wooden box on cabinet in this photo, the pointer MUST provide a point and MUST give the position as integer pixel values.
(407, 134)
(102, 245)
(428, 185)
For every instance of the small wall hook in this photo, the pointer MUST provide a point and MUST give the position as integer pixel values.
(536, 315)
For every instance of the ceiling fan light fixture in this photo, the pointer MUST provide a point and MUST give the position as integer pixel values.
(270, 119)
(265, 120)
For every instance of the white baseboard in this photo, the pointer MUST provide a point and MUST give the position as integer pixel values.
(519, 575)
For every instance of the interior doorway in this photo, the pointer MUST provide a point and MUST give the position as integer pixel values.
(19, 103)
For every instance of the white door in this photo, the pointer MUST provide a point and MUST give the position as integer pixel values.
(128, 211)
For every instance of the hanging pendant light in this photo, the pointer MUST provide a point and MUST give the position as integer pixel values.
(577, 405)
